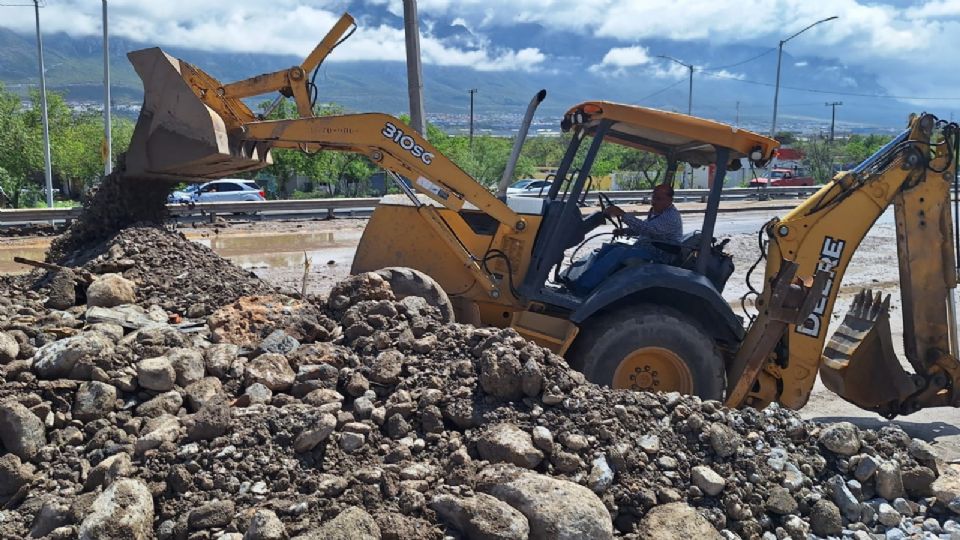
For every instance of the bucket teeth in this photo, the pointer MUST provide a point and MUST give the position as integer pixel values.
(859, 363)
(868, 305)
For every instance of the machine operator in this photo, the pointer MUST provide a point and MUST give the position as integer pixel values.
(663, 224)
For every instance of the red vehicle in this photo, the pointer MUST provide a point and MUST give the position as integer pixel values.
(783, 177)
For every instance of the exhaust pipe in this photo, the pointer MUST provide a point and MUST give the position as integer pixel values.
(518, 143)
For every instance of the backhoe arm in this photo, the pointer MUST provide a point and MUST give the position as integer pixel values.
(816, 241)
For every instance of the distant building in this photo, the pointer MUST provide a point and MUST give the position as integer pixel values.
(787, 158)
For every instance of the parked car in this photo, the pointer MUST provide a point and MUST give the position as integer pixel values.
(529, 186)
(184, 195)
(783, 177)
(225, 190)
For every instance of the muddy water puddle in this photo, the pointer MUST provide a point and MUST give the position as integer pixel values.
(252, 251)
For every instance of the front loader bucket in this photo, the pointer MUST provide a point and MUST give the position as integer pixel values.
(177, 136)
(859, 363)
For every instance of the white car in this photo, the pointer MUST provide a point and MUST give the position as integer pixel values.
(227, 190)
(530, 187)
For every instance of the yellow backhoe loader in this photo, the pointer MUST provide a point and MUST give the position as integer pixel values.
(641, 325)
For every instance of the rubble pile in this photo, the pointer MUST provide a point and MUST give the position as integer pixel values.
(112, 205)
(365, 416)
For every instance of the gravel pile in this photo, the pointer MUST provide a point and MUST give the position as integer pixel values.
(367, 417)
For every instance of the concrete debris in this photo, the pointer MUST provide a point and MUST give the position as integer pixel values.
(270, 417)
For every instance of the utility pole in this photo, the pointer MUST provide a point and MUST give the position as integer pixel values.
(107, 138)
(833, 115)
(472, 92)
(48, 173)
(414, 72)
(738, 115)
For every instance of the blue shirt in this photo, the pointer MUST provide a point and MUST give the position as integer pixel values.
(666, 226)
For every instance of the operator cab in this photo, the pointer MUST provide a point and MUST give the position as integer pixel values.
(678, 139)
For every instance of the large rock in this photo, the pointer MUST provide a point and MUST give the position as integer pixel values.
(265, 525)
(156, 431)
(946, 488)
(111, 290)
(309, 438)
(825, 518)
(13, 474)
(386, 367)
(500, 374)
(841, 438)
(94, 400)
(62, 290)
(482, 517)
(58, 359)
(506, 443)
(889, 482)
(676, 521)
(188, 365)
(210, 515)
(9, 348)
(724, 440)
(210, 422)
(351, 524)
(203, 391)
(124, 511)
(707, 480)
(554, 508)
(21, 432)
(165, 403)
(108, 471)
(156, 374)
(272, 371)
(219, 359)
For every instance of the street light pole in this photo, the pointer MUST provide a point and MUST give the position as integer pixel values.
(48, 174)
(776, 92)
(107, 137)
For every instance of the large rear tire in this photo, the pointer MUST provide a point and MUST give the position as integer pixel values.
(649, 348)
(406, 281)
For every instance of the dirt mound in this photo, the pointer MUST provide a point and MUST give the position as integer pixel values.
(179, 275)
(114, 204)
(389, 421)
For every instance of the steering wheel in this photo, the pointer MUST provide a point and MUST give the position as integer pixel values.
(605, 202)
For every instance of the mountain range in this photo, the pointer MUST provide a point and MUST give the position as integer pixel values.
(741, 94)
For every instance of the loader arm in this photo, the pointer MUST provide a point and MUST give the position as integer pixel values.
(783, 350)
(194, 128)
(397, 148)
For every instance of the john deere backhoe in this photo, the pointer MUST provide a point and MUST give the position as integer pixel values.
(646, 326)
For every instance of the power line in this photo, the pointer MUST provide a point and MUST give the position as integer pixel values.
(662, 90)
(740, 63)
(833, 92)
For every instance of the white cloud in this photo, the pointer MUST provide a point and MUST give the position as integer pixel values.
(902, 43)
(619, 58)
(285, 27)
(801, 64)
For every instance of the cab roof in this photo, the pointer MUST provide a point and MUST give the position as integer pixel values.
(673, 135)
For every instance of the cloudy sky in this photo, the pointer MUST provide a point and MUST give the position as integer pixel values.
(891, 47)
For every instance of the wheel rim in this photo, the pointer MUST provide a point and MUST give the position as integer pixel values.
(653, 369)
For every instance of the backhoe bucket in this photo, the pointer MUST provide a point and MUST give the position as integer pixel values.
(178, 137)
(859, 363)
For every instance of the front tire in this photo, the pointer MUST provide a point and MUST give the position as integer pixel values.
(406, 281)
(649, 348)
